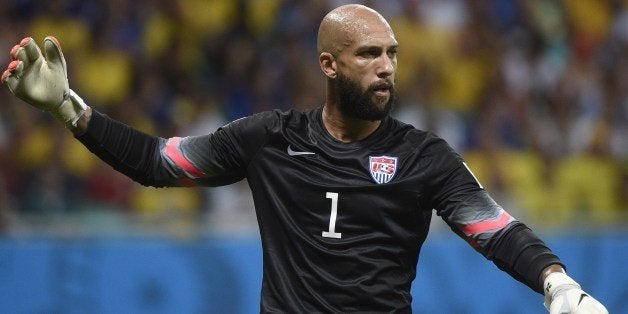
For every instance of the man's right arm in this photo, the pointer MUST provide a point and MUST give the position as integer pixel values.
(40, 79)
(136, 154)
(207, 160)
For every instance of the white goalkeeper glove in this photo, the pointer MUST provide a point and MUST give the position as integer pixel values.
(42, 81)
(563, 295)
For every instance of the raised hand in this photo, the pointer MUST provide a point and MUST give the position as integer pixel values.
(41, 79)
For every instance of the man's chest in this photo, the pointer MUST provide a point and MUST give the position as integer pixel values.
(339, 194)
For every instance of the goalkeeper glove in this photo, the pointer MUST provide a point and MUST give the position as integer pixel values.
(42, 81)
(563, 296)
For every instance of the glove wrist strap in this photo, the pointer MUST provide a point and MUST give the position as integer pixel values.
(70, 110)
(555, 282)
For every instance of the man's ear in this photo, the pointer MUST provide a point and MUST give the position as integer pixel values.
(328, 64)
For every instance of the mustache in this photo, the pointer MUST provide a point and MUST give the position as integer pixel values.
(382, 84)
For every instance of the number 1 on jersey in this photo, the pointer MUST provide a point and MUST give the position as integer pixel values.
(331, 233)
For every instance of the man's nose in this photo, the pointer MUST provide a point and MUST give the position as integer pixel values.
(386, 66)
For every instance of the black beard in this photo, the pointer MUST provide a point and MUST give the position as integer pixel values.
(358, 104)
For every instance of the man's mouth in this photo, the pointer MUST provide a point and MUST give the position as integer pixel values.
(382, 92)
(381, 89)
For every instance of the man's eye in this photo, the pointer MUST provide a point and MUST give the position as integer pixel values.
(369, 54)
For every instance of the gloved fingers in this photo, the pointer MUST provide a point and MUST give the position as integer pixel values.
(18, 53)
(13, 53)
(11, 75)
(19, 58)
(5, 75)
(12, 66)
(30, 51)
(54, 55)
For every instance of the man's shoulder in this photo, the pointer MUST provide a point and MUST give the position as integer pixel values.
(272, 122)
(284, 115)
(292, 118)
(411, 133)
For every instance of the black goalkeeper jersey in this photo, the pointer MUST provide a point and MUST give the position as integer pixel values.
(341, 224)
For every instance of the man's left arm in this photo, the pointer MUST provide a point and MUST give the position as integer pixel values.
(519, 252)
(514, 248)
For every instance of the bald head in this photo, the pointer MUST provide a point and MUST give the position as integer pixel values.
(343, 25)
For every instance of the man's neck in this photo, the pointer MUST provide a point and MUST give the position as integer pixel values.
(346, 129)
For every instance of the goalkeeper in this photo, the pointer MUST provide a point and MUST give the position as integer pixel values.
(343, 193)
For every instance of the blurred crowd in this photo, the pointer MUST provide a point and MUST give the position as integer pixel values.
(534, 95)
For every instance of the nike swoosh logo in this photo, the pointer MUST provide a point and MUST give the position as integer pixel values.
(295, 153)
(582, 296)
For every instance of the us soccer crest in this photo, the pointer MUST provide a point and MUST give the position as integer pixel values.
(382, 168)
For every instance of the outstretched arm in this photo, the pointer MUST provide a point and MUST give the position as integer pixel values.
(514, 248)
(515, 251)
(40, 79)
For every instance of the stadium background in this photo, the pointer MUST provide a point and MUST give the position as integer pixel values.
(534, 94)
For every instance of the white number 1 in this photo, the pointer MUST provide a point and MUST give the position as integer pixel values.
(332, 218)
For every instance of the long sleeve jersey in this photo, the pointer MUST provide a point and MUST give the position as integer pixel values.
(341, 224)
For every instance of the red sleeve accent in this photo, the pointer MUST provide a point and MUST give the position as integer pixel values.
(487, 225)
(173, 152)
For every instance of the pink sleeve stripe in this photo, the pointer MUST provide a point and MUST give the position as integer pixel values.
(177, 157)
(487, 225)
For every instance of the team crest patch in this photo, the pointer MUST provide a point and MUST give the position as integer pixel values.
(382, 168)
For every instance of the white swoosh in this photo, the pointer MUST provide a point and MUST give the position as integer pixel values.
(294, 153)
